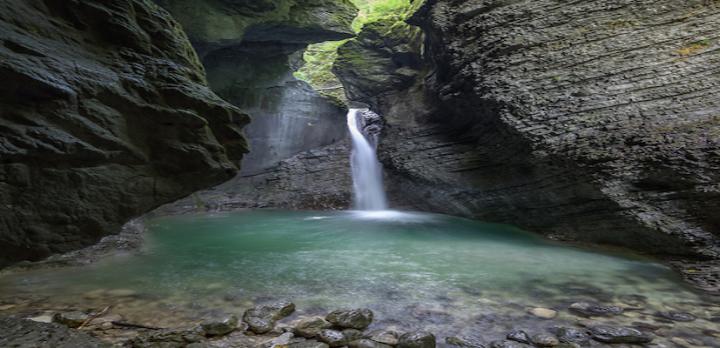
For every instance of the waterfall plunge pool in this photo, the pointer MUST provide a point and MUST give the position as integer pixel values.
(449, 275)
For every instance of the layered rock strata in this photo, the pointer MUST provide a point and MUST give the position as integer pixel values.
(105, 114)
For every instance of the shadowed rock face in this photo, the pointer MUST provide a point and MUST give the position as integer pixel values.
(589, 121)
(250, 50)
(104, 114)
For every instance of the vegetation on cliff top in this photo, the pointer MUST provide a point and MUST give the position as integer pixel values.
(319, 58)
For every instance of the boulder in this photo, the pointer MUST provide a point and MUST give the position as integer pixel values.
(311, 327)
(261, 319)
(351, 318)
(417, 339)
(586, 309)
(518, 336)
(612, 334)
(544, 340)
(333, 338)
(219, 326)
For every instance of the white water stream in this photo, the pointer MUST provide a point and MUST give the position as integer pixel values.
(366, 171)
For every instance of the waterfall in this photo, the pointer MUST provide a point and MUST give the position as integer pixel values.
(366, 171)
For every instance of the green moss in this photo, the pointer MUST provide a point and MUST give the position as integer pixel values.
(384, 17)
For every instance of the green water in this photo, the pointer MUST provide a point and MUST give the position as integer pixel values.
(421, 269)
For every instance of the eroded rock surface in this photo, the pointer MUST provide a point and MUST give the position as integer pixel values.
(104, 114)
(25, 333)
(250, 50)
(587, 121)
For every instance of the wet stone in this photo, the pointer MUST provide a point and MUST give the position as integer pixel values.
(367, 343)
(463, 342)
(544, 340)
(572, 335)
(220, 326)
(352, 334)
(587, 309)
(611, 334)
(506, 344)
(308, 344)
(417, 339)
(518, 336)
(311, 327)
(388, 337)
(544, 313)
(351, 318)
(677, 316)
(280, 341)
(333, 338)
(70, 319)
(261, 319)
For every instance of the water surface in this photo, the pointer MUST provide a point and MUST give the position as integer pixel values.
(414, 270)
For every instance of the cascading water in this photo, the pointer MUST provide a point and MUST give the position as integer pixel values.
(366, 171)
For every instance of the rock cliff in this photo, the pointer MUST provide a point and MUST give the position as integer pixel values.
(105, 113)
(587, 121)
(250, 50)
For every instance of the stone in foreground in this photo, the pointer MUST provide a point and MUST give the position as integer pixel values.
(586, 309)
(311, 327)
(610, 334)
(261, 319)
(677, 316)
(366, 343)
(388, 337)
(333, 338)
(417, 339)
(543, 313)
(220, 326)
(544, 340)
(572, 335)
(518, 336)
(506, 344)
(70, 319)
(351, 318)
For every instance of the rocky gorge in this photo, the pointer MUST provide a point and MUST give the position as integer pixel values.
(592, 123)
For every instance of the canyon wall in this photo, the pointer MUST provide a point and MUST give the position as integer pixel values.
(105, 114)
(587, 121)
(250, 50)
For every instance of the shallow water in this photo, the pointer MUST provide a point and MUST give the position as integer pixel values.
(414, 270)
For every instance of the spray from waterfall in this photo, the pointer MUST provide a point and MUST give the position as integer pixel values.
(366, 171)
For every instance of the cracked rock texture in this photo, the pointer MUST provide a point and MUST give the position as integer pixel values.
(105, 114)
(250, 50)
(18, 332)
(593, 121)
(317, 179)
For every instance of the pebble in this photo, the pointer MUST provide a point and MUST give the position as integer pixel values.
(70, 319)
(544, 340)
(594, 310)
(518, 336)
(366, 343)
(677, 316)
(45, 318)
(544, 313)
(333, 338)
(610, 334)
(506, 344)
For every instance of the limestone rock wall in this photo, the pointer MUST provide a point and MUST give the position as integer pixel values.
(250, 50)
(105, 113)
(593, 120)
